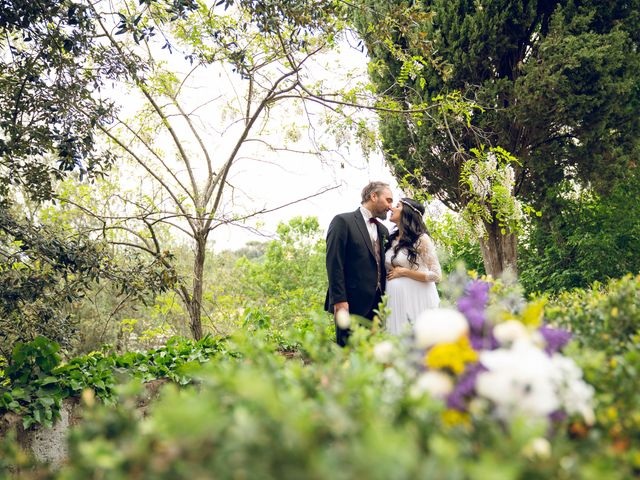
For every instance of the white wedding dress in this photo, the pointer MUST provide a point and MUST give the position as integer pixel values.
(408, 298)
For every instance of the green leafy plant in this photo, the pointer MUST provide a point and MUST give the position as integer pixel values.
(36, 382)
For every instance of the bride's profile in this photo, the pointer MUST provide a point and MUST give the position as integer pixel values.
(412, 267)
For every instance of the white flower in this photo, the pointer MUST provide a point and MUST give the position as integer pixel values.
(576, 395)
(508, 332)
(343, 319)
(436, 384)
(492, 161)
(537, 448)
(510, 177)
(439, 325)
(382, 351)
(520, 380)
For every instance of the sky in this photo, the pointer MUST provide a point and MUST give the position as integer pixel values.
(262, 178)
(299, 178)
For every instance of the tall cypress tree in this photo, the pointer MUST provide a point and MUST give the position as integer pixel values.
(558, 81)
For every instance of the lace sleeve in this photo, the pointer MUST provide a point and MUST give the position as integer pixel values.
(428, 259)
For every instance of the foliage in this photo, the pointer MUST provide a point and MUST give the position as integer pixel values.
(605, 320)
(263, 50)
(43, 270)
(595, 237)
(47, 113)
(490, 178)
(291, 277)
(515, 59)
(35, 381)
(605, 317)
(554, 80)
(334, 413)
(456, 241)
(285, 286)
(357, 413)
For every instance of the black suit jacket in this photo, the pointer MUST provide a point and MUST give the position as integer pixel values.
(351, 264)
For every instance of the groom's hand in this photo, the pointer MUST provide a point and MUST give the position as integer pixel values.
(340, 306)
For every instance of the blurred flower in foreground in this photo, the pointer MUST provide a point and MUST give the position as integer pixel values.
(439, 325)
(343, 319)
(433, 382)
(510, 368)
(383, 351)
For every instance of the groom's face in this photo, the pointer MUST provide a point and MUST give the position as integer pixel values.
(382, 203)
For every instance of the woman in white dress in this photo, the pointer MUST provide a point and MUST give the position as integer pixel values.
(412, 267)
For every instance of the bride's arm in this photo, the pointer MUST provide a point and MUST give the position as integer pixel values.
(428, 264)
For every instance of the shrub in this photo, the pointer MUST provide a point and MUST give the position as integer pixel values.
(604, 317)
(35, 382)
(334, 413)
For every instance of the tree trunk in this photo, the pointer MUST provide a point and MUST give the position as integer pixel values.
(499, 250)
(194, 305)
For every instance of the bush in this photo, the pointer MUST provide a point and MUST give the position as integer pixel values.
(605, 320)
(34, 382)
(603, 317)
(591, 238)
(334, 413)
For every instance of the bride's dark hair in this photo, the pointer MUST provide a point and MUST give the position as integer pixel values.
(411, 226)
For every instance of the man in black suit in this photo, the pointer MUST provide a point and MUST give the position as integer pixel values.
(355, 257)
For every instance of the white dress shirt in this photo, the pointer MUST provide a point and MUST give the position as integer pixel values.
(372, 227)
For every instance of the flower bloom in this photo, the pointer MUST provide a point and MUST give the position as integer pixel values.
(519, 381)
(455, 417)
(575, 394)
(555, 338)
(465, 388)
(439, 325)
(472, 305)
(436, 384)
(343, 319)
(510, 331)
(383, 351)
(451, 356)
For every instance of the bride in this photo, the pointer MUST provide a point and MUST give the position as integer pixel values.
(412, 267)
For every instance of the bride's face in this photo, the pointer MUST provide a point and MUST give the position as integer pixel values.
(396, 213)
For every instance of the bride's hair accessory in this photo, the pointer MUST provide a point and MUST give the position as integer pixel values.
(411, 207)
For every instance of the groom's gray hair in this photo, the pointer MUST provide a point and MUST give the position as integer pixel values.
(371, 188)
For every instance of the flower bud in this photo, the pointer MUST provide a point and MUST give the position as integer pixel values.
(343, 319)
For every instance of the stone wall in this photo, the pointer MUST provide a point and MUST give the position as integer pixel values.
(49, 445)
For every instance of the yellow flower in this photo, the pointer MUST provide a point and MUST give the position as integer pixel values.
(533, 313)
(453, 418)
(452, 356)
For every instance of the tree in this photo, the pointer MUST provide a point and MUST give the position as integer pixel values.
(53, 66)
(555, 80)
(264, 49)
(44, 269)
(596, 238)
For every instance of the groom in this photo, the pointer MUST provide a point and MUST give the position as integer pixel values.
(355, 257)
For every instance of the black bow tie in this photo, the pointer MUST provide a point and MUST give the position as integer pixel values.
(373, 220)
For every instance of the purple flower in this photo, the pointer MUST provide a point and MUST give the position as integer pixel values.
(557, 416)
(472, 305)
(465, 387)
(473, 302)
(483, 341)
(555, 338)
